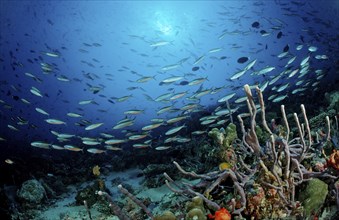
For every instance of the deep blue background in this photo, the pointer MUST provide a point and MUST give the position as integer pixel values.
(110, 41)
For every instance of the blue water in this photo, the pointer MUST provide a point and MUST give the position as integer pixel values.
(108, 44)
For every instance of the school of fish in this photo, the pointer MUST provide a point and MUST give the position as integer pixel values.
(67, 124)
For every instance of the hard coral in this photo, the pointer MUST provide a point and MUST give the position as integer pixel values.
(195, 209)
(224, 139)
(195, 214)
(231, 134)
(217, 136)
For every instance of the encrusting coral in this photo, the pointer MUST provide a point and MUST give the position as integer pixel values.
(313, 197)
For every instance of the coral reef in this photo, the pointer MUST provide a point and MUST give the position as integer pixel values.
(88, 193)
(133, 214)
(153, 174)
(266, 171)
(266, 176)
(261, 174)
(317, 121)
(333, 100)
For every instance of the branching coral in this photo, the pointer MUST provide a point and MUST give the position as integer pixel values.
(117, 210)
(210, 181)
(269, 183)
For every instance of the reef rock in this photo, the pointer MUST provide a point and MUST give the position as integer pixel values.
(31, 192)
(89, 193)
